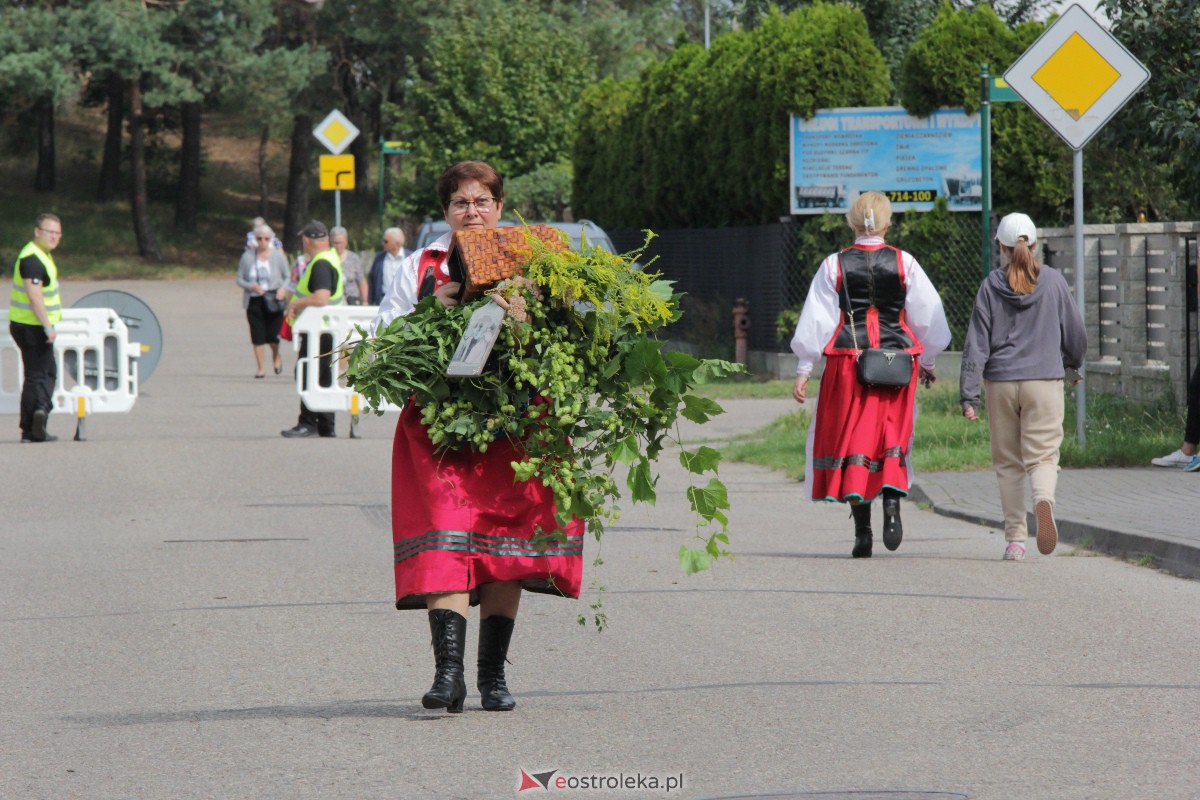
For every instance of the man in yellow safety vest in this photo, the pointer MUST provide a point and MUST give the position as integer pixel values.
(321, 284)
(34, 308)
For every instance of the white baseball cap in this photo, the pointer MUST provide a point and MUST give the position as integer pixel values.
(1014, 227)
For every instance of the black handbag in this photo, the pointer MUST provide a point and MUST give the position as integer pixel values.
(274, 305)
(878, 366)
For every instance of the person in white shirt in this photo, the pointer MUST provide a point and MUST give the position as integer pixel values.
(386, 265)
(251, 235)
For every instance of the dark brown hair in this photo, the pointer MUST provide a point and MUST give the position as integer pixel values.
(465, 172)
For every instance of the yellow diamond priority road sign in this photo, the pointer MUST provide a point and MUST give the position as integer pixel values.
(336, 132)
(1076, 76)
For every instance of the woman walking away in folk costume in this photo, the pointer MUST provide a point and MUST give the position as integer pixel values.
(868, 296)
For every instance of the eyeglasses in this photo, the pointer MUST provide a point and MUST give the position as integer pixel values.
(482, 205)
(59, 233)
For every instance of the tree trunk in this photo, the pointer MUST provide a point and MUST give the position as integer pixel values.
(187, 199)
(44, 182)
(297, 191)
(110, 166)
(362, 158)
(263, 199)
(147, 245)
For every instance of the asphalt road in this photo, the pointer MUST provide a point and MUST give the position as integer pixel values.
(193, 607)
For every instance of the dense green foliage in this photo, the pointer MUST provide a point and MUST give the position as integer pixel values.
(1161, 126)
(499, 85)
(942, 66)
(35, 58)
(1031, 164)
(700, 139)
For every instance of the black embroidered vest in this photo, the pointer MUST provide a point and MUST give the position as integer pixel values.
(873, 278)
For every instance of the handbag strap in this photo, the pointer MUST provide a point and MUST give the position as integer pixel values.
(849, 309)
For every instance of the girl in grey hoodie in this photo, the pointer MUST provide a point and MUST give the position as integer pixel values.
(1025, 333)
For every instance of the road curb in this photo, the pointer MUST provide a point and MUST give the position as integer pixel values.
(1174, 557)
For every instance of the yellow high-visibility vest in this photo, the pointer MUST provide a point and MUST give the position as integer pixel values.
(338, 296)
(19, 308)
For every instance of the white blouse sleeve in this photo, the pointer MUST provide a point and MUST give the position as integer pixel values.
(924, 313)
(401, 297)
(819, 319)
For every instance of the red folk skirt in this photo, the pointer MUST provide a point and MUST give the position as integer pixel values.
(861, 436)
(459, 520)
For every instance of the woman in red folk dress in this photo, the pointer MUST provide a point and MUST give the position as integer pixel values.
(868, 295)
(462, 527)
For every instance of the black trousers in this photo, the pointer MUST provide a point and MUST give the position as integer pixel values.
(323, 421)
(39, 369)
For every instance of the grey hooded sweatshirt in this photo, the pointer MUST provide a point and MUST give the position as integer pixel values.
(1021, 337)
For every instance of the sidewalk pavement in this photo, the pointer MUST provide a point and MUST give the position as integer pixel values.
(1131, 513)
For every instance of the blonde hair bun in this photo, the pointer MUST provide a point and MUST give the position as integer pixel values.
(870, 213)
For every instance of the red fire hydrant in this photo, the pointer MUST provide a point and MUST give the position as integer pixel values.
(741, 328)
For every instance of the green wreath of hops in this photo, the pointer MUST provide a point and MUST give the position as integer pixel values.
(577, 376)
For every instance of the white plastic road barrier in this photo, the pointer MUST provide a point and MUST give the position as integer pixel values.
(328, 327)
(97, 366)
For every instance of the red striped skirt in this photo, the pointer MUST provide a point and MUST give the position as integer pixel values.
(459, 520)
(860, 439)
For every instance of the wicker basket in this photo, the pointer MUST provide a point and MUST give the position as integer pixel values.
(483, 258)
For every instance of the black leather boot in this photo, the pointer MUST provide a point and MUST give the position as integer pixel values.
(893, 530)
(449, 690)
(495, 632)
(862, 530)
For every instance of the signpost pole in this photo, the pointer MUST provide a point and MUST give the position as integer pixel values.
(1076, 76)
(985, 134)
(1081, 387)
(337, 208)
(387, 148)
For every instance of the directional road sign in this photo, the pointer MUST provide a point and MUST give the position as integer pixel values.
(1076, 76)
(336, 132)
(1001, 92)
(337, 172)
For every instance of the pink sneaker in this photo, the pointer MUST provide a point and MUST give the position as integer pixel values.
(1014, 552)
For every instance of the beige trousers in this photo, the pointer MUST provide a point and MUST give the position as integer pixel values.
(1026, 421)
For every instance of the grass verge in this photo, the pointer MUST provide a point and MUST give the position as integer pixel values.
(1120, 432)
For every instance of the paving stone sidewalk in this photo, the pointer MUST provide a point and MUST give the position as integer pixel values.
(1129, 513)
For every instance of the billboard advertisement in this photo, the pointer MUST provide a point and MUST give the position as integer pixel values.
(843, 152)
